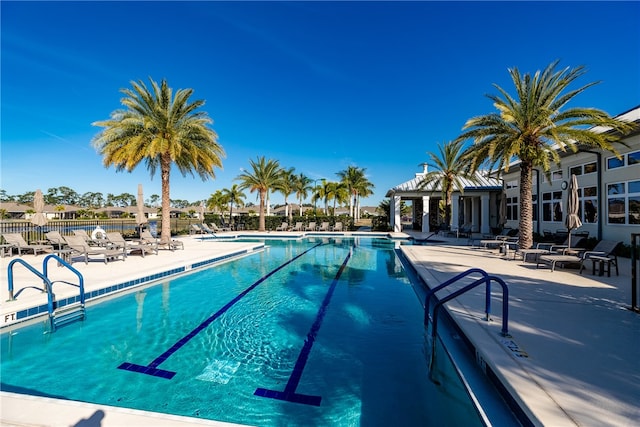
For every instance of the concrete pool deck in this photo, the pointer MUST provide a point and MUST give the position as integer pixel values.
(572, 358)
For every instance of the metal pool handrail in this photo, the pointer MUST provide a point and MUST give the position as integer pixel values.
(484, 280)
(48, 284)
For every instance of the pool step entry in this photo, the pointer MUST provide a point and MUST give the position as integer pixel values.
(67, 314)
(485, 279)
(58, 316)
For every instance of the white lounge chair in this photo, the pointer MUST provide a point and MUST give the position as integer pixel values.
(79, 246)
(17, 241)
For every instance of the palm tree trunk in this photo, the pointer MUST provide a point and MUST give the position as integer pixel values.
(165, 169)
(525, 240)
(261, 226)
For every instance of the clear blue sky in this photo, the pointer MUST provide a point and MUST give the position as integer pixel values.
(318, 86)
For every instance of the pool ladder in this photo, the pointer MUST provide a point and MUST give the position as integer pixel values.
(58, 315)
(485, 279)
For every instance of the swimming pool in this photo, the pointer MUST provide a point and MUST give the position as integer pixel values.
(318, 331)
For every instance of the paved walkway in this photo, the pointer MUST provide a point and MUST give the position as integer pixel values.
(573, 358)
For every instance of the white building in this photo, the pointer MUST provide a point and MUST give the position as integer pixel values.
(609, 189)
(477, 205)
(609, 193)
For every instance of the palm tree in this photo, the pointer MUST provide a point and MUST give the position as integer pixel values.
(286, 187)
(532, 128)
(364, 188)
(233, 196)
(301, 185)
(449, 168)
(337, 192)
(162, 130)
(265, 176)
(217, 201)
(351, 177)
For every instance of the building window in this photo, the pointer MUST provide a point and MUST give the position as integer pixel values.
(583, 169)
(512, 184)
(556, 175)
(552, 206)
(623, 203)
(628, 159)
(588, 204)
(512, 208)
(534, 206)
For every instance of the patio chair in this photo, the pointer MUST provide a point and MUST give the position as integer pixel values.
(324, 226)
(206, 229)
(19, 243)
(283, 227)
(549, 248)
(129, 247)
(200, 229)
(56, 239)
(337, 226)
(88, 239)
(80, 247)
(603, 254)
(298, 227)
(464, 230)
(147, 238)
(310, 227)
(217, 229)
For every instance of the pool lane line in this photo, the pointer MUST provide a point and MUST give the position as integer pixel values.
(152, 368)
(289, 394)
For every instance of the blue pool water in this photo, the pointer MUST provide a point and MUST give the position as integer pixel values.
(333, 338)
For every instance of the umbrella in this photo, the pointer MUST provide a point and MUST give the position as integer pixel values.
(502, 213)
(202, 211)
(572, 221)
(140, 218)
(39, 218)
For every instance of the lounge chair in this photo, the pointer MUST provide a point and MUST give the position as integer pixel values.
(337, 226)
(603, 253)
(200, 229)
(283, 227)
(548, 248)
(17, 241)
(88, 239)
(298, 227)
(206, 229)
(310, 227)
(464, 230)
(147, 238)
(56, 239)
(325, 226)
(128, 247)
(217, 229)
(80, 246)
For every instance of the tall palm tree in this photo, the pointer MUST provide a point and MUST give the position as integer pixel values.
(337, 192)
(364, 188)
(233, 196)
(286, 187)
(301, 185)
(532, 128)
(350, 177)
(449, 168)
(264, 177)
(163, 130)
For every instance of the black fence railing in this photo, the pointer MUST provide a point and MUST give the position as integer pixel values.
(127, 227)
